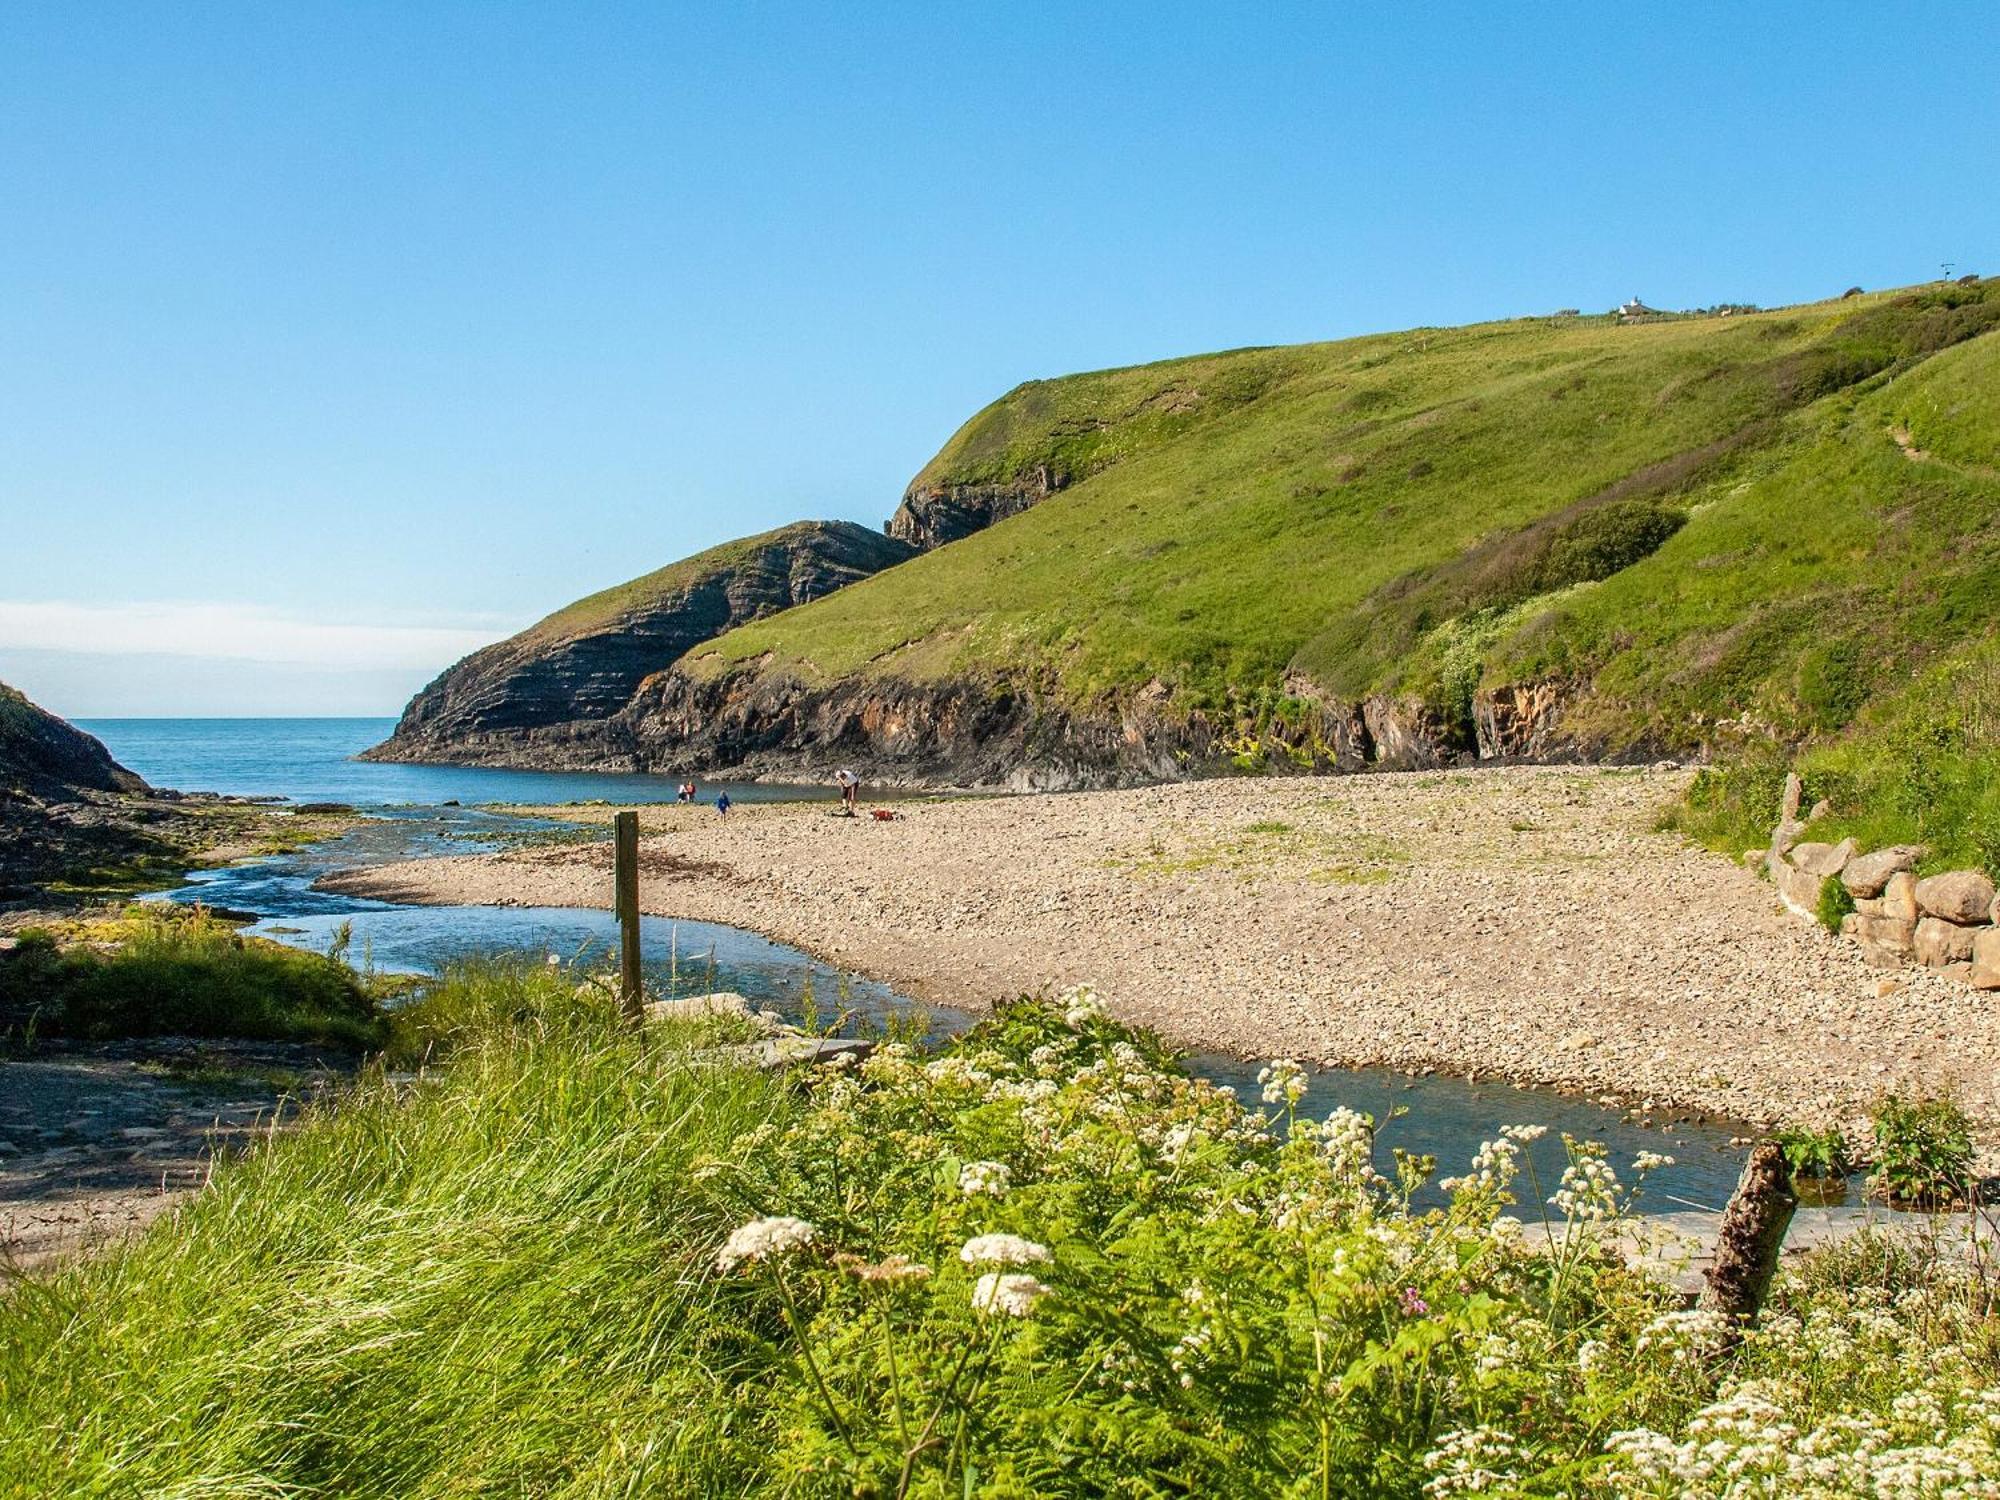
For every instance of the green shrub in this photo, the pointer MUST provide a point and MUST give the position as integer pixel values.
(166, 971)
(1923, 1151)
(1815, 1154)
(1835, 905)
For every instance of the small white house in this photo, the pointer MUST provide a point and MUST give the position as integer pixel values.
(1635, 309)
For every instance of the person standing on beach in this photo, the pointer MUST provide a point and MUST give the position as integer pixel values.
(722, 803)
(850, 787)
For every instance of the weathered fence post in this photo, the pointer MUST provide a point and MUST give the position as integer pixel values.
(1752, 1234)
(625, 874)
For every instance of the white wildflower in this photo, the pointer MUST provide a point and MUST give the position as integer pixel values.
(1003, 1250)
(1081, 1006)
(1651, 1161)
(763, 1239)
(1524, 1134)
(1284, 1081)
(984, 1178)
(1012, 1295)
(1472, 1461)
(1589, 1190)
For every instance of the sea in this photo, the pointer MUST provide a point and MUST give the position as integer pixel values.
(418, 811)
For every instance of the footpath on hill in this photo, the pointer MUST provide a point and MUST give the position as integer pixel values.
(1528, 923)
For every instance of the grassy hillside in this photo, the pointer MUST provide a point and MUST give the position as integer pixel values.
(1681, 522)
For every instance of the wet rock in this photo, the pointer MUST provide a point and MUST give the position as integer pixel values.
(1866, 874)
(1939, 942)
(1961, 896)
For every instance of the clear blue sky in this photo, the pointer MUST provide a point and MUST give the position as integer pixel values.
(336, 338)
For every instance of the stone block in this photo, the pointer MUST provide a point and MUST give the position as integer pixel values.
(1899, 897)
(1885, 932)
(1823, 859)
(1798, 890)
(1788, 809)
(1784, 836)
(1867, 874)
(1870, 907)
(1986, 959)
(1961, 896)
(1939, 942)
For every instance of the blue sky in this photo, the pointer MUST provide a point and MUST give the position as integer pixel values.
(337, 339)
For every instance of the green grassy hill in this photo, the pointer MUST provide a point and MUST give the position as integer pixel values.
(1547, 536)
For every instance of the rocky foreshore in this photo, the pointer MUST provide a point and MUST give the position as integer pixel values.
(1525, 923)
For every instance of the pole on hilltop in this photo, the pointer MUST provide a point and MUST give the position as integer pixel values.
(625, 845)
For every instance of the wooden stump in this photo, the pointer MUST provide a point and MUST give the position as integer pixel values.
(1752, 1234)
(625, 902)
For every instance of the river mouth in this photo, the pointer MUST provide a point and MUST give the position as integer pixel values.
(418, 812)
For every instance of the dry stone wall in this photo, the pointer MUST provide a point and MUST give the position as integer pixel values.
(1949, 922)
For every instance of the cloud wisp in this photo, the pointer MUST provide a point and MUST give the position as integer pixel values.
(231, 632)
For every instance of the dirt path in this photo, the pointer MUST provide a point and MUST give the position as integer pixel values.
(1526, 923)
(96, 1142)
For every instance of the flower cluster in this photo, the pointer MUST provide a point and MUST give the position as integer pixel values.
(1215, 1252)
(989, 1179)
(1284, 1082)
(763, 1239)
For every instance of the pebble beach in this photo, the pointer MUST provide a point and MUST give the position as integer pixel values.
(1527, 923)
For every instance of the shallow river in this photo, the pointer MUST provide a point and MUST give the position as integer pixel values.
(308, 760)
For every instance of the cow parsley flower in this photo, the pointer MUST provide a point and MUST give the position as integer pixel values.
(1012, 1295)
(1472, 1461)
(763, 1239)
(1003, 1250)
(1651, 1161)
(1284, 1081)
(1524, 1134)
(984, 1179)
(1081, 1006)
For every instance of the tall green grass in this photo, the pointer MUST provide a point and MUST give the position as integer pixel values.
(490, 1281)
(503, 1279)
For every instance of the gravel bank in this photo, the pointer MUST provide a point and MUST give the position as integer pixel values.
(1526, 923)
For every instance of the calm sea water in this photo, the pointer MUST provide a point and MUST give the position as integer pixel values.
(309, 760)
(312, 760)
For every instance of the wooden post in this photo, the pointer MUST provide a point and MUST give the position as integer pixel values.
(625, 845)
(1752, 1234)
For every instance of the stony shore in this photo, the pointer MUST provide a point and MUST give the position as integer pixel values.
(1526, 923)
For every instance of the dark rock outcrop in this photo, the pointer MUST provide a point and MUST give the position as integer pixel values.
(550, 696)
(957, 732)
(932, 514)
(45, 755)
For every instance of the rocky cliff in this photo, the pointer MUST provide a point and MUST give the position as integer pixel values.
(933, 513)
(550, 696)
(42, 755)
